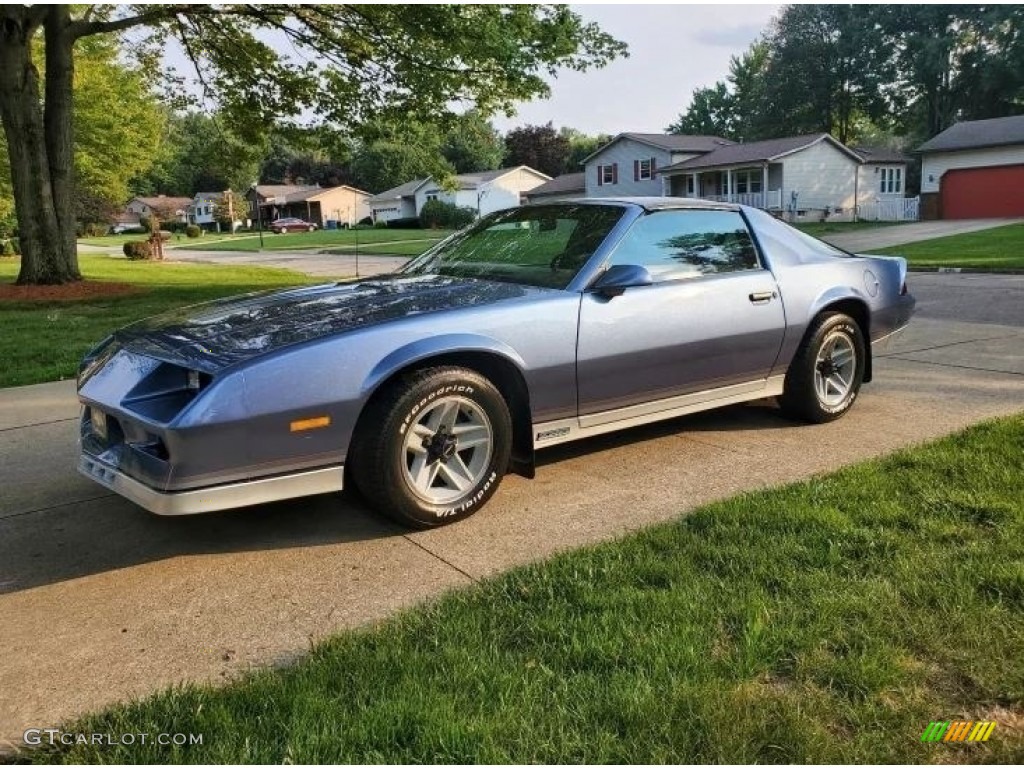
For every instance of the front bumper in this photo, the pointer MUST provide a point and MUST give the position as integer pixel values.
(214, 498)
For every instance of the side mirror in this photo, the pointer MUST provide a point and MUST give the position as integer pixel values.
(619, 277)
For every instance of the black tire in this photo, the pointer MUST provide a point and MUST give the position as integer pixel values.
(801, 398)
(380, 464)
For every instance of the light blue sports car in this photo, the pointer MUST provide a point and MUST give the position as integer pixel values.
(535, 326)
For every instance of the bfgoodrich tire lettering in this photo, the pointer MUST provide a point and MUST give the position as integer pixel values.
(432, 447)
(824, 379)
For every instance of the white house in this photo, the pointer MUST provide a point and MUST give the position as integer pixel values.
(484, 192)
(201, 211)
(629, 164)
(804, 178)
(974, 169)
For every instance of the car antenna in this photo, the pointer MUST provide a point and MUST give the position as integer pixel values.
(357, 251)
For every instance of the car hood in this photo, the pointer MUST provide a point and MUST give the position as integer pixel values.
(212, 336)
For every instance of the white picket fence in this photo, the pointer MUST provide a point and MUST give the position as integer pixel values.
(772, 199)
(896, 209)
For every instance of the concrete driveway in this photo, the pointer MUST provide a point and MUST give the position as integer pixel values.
(866, 240)
(102, 601)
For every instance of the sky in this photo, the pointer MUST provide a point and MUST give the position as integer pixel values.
(673, 50)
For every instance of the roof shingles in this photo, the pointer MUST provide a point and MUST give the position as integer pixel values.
(975, 134)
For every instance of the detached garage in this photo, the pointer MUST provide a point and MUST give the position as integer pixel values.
(974, 170)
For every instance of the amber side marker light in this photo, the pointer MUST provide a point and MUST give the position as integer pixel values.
(317, 422)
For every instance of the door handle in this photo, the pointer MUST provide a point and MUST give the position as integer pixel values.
(762, 298)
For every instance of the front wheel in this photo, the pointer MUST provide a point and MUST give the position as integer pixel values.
(432, 448)
(825, 376)
(310, 228)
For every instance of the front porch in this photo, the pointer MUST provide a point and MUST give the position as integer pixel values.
(755, 186)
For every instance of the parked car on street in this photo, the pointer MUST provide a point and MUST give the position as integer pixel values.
(534, 326)
(279, 226)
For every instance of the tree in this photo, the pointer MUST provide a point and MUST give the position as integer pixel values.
(737, 108)
(711, 113)
(308, 155)
(118, 127)
(827, 63)
(394, 153)
(581, 146)
(355, 62)
(539, 146)
(953, 62)
(231, 207)
(471, 144)
(201, 153)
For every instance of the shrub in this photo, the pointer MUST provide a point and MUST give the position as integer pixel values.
(137, 250)
(193, 230)
(380, 224)
(439, 214)
(366, 221)
(147, 223)
(463, 217)
(7, 248)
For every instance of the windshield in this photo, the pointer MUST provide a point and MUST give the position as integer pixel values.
(540, 245)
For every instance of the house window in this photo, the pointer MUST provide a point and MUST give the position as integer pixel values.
(892, 181)
(690, 188)
(644, 170)
(607, 174)
(432, 196)
(746, 181)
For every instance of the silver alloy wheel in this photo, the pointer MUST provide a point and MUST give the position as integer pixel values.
(447, 450)
(834, 369)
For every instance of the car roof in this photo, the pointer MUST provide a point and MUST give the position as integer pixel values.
(648, 203)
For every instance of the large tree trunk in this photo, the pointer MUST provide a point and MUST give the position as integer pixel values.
(59, 124)
(43, 251)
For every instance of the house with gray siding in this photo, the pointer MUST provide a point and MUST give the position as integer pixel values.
(629, 164)
(803, 178)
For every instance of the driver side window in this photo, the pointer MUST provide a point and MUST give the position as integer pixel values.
(681, 244)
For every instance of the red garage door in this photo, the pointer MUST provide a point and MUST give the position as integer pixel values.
(983, 193)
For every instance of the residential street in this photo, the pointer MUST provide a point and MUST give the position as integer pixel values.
(102, 601)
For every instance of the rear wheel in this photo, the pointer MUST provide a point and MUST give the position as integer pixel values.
(825, 376)
(432, 448)
(310, 228)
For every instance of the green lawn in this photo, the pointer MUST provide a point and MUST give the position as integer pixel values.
(999, 248)
(826, 621)
(44, 341)
(338, 239)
